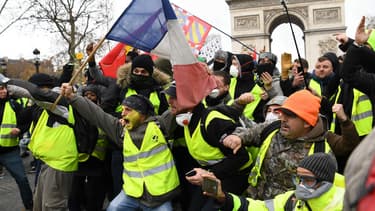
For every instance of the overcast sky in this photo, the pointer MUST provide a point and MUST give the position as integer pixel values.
(15, 44)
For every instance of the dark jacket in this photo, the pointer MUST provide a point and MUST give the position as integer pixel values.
(116, 89)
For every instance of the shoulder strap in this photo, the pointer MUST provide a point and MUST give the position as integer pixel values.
(320, 146)
(269, 129)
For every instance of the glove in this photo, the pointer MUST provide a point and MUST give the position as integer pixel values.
(286, 63)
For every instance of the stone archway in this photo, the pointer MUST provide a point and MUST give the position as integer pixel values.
(254, 21)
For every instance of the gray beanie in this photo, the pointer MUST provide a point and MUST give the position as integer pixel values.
(321, 164)
(140, 104)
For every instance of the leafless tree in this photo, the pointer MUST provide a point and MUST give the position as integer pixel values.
(11, 12)
(74, 21)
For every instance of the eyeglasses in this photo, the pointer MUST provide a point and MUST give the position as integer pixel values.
(308, 181)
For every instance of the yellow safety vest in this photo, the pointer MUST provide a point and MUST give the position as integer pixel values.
(55, 146)
(255, 171)
(331, 200)
(361, 113)
(200, 150)
(99, 150)
(313, 84)
(9, 121)
(151, 166)
(257, 93)
(154, 99)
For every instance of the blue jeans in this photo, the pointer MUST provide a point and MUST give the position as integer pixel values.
(126, 203)
(13, 163)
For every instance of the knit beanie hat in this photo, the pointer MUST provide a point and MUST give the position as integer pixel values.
(220, 54)
(322, 165)
(305, 105)
(140, 104)
(93, 88)
(246, 62)
(143, 61)
(371, 40)
(42, 79)
(332, 57)
(171, 90)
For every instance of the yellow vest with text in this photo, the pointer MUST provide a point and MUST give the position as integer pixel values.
(154, 99)
(256, 170)
(151, 166)
(9, 121)
(361, 115)
(200, 150)
(99, 150)
(332, 200)
(256, 91)
(55, 146)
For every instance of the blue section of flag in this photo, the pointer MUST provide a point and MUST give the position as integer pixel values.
(143, 24)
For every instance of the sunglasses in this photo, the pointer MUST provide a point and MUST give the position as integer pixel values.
(308, 181)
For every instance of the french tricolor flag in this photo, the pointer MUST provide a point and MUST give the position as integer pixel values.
(152, 26)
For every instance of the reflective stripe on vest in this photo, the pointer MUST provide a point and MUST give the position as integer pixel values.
(269, 204)
(152, 165)
(154, 99)
(361, 115)
(200, 150)
(255, 171)
(55, 146)
(315, 86)
(249, 108)
(9, 121)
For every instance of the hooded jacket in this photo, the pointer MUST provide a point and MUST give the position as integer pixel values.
(116, 89)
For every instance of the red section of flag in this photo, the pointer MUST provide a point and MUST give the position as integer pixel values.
(113, 60)
(193, 83)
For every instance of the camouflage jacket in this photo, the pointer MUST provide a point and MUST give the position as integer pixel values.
(281, 159)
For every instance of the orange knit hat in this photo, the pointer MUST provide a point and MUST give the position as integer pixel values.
(305, 105)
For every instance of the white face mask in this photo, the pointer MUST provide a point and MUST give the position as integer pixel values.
(183, 119)
(233, 71)
(270, 116)
(214, 93)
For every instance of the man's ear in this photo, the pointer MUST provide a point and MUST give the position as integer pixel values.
(306, 125)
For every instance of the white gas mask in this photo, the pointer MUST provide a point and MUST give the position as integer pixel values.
(271, 116)
(233, 71)
(214, 93)
(183, 119)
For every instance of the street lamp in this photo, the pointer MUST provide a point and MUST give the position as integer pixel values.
(36, 53)
(3, 65)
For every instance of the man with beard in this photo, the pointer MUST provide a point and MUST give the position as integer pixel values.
(301, 131)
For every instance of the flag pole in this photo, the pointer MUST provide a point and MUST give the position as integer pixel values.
(83, 65)
(300, 68)
(235, 39)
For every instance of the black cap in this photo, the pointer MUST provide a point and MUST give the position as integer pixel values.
(143, 61)
(322, 165)
(139, 103)
(171, 90)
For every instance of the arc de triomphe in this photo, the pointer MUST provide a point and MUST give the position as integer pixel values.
(253, 21)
